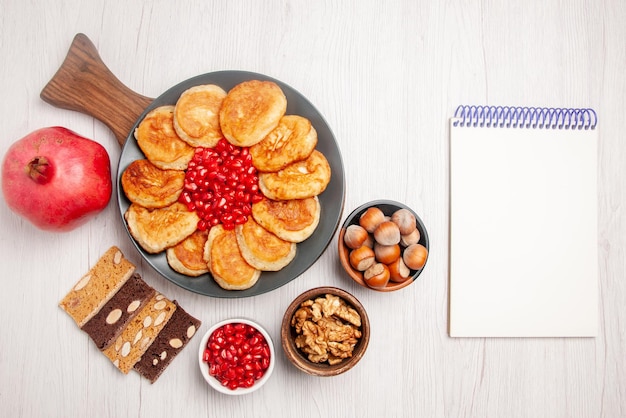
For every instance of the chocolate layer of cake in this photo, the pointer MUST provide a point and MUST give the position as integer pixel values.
(140, 332)
(179, 330)
(111, 320)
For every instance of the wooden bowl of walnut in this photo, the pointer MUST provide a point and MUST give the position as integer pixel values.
(319, 310)
(394, 264)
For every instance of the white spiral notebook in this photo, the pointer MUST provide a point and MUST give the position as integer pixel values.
(523, 222)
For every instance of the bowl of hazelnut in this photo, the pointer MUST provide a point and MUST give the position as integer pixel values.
(383, 245)
(325, 331)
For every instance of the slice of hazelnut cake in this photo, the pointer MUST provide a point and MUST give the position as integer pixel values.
(98, 286)
(140, 333)
(116, 314)
(171, 340)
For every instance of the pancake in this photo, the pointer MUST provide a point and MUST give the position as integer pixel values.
(228, 267)
(157, 229)
(250, 111)
(196, 115)
(262, 249)
(294, 139)
(159, 142)
(187, 257)
(306, 178)
(151, 187)
(291, 220)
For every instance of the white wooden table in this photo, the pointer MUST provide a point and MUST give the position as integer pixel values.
(386, 76)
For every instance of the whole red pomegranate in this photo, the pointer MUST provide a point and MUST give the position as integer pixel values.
(56, 178)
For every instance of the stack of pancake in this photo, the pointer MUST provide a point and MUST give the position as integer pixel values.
(291, 171)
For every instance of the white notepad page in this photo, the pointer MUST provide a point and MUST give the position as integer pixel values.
(523, 232)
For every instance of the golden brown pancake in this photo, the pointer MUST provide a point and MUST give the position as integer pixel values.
(226, 264)
(187, 257)
(291, 220)
(262, 249)
(157, 229)
(306, 178)
(151, 187)
(250, 111)
(294, 139)
(159, 142)
(196, 115)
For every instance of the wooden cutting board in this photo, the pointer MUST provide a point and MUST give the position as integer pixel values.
(83, 83)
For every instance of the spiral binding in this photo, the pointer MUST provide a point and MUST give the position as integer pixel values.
(524, 117)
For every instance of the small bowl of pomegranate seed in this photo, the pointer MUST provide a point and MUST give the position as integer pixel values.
(236, 356)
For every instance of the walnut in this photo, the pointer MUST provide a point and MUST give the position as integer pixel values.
(327, 328)
(299, 318)
(335, 306)
(332, 360)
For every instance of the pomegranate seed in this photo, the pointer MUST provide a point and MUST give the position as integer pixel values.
(214, 369)
(265, 363)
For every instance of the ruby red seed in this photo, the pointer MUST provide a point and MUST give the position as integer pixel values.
(221, 184)
(237, 355)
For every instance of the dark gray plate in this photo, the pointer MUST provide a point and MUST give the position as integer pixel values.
(332, 199)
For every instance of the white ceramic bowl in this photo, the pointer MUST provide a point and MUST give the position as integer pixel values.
(213, 381)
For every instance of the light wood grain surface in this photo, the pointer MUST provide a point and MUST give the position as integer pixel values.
(386, 76)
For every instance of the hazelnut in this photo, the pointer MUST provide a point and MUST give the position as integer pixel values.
(412, 238)
(398, 271)
(415, 256)
(377, 276)
(386, 254)
(369, 241)
(387, 233)
(371, 218)
(362, 258)
(355, 236)
(405, 220)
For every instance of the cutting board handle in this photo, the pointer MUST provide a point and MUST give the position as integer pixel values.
(85, 84)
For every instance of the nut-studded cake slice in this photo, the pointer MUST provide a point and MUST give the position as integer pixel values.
(179, 330)
(140, 333)
(98, 286)
(111, 320)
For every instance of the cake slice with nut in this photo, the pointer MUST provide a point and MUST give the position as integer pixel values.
(140, 333)
(98, 286)
(170, 341)
(116, 314)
